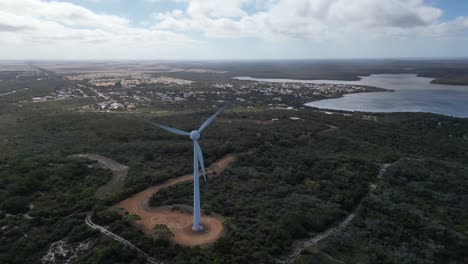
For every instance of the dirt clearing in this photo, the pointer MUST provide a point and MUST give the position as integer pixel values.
(179, 223)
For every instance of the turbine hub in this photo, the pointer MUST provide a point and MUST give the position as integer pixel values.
(194, 135)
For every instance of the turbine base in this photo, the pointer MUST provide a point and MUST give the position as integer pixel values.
(195, 229)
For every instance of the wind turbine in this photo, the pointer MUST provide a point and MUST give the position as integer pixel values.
(197, 158)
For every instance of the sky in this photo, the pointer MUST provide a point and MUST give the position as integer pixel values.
(232, 29)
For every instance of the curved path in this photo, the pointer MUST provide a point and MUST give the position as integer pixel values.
(108, 233)
(329, 129)
(301, 245)
(13, 92)
(119, 173)
(179, 223)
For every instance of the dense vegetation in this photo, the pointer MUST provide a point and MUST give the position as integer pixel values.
(418, 215)
(59, 191)
(271, 199)
(291, 178)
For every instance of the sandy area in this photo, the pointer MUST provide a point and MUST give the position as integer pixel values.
(178, 222)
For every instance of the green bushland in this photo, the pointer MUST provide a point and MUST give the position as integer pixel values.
(61, 191)
(291, 178)
(417, 215)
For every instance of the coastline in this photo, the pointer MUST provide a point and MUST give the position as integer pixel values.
(412, 93)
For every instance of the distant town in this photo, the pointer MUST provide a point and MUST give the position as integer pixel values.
(127, 91)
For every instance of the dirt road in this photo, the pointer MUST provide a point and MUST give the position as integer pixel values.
(108, 233)
(300, 245)
(119, 173)
(178, 222)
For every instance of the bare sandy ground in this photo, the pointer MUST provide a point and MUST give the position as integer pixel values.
(179, 223)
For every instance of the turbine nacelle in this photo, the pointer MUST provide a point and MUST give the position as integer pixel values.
(194, 135)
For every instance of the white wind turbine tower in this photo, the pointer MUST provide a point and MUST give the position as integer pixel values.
(197, 158)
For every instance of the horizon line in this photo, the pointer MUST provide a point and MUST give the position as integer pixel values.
(235, 60)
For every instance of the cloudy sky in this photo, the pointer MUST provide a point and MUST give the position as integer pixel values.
(232, 29)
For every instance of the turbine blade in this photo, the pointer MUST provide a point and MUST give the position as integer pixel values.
(200, 159)
(209, 120)
(171, 129)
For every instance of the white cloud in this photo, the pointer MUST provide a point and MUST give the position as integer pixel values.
(215, 8)
(62, 12)
(309, 19)
(59, 29)
(34, 24)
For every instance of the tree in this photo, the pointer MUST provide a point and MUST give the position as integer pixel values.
(132, 217)
(162, 232)
(16, 205)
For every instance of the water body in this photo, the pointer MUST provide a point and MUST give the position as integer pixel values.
(411, 94)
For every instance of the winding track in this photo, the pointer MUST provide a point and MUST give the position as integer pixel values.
(138, 204)
(179, 223)
(13, 92)
(119, 173)
(151, 216)
(301, 245)
(108, 233)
